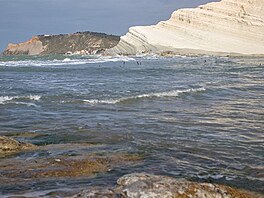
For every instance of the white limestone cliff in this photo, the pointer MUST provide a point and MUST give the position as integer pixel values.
(228, 26)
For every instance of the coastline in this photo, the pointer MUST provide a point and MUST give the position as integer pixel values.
(133, 185)
(158, 118)
(172, 110)
(189, 53)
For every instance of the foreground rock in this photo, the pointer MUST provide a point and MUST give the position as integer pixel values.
(10, 145)
(77, 43)
(142, 185)
(225, 27)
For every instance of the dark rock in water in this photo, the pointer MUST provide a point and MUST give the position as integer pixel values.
(98, 193)
(77, 43)
(10, 145)
(63, 166)
(141, 185)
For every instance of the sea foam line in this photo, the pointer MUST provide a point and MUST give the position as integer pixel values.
(173, 93)
(66, 61)
(5, 99)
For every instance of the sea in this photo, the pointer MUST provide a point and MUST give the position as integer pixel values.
(200, 118)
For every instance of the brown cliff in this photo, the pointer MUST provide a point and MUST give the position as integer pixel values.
(77, 43)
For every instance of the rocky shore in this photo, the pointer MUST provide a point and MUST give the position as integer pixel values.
(83, 164)
(17, 171)
(10, 145)
(142, 185)
(77, 43)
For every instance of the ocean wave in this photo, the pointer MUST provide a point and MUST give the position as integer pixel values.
(4, 99)
(66, 61)
(29, 104)
(7, 99)
(173, 93)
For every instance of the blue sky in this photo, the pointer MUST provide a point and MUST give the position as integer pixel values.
(21, 19)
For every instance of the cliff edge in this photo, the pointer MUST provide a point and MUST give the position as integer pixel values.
(225, 27)
(77, 43)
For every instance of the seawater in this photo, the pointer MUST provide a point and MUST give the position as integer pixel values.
(199, 118)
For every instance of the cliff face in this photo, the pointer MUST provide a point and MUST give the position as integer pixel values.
(78, 43)
(31, 47)
(228, 26)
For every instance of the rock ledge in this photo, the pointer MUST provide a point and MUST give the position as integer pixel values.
(10, 145)
(142, 185)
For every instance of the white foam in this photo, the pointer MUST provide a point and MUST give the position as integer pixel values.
(66, 61)
(34, 97)
(7, 99)
(173, 93)
(216, 176)
(149, 56)
(29, 104)
(4, 99)
(95, 101)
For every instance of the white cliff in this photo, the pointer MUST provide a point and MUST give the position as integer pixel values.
(228, 26)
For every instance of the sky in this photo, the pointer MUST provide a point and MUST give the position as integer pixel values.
(21, 19)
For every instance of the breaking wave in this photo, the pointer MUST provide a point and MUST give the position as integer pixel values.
(7, 99)
(173, 93)
(66, 61)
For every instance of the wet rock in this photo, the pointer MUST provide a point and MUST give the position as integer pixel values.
(64, 166)
(10, 145)
(141, 185)
(85, 166)
(98, 193)
(70, 168)
(145, 185)
(24, 134)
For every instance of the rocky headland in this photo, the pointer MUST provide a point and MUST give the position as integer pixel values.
(218, 28)
(228, 27)
(77, 43)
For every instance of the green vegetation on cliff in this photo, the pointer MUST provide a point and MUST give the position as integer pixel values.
(77, 43)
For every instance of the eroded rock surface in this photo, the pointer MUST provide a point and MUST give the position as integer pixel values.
(225, 27)
(85, 165)
(10, 145)
(141, 185)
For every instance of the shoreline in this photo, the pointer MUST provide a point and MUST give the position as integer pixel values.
(88, 166)
(161, 53)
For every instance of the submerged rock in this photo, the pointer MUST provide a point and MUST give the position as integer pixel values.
(10, 145)
(141, 185)
(63, 166)
(98, 192)
(77, 43)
